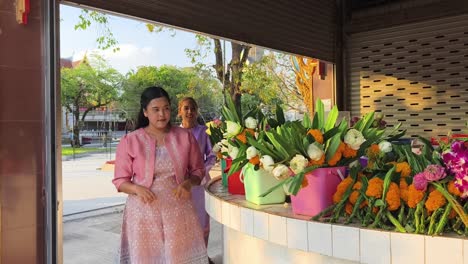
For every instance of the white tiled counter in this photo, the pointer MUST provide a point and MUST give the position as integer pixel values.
(273, 234)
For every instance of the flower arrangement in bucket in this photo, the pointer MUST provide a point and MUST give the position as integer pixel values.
(317, 153)
(256, 166)
(405, 191)
(231, 142)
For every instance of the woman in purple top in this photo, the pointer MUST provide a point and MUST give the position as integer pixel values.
(188, 111)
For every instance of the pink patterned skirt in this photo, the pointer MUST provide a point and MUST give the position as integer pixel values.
(164, 231)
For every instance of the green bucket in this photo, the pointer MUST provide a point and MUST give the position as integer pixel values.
(259, 181)
(224, 177)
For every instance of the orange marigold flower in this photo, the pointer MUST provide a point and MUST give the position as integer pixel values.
(393, 197)
(375, 187)
(353, 197)
(435, 201)
(256, 160)
(305, 182)
(403, 168)
(337, 156)
(357, 186)
(452, 214)
(337, 197)
(453, 189)
(243, 137)
(414, 196)
(348, 152)
(375, 210)
(373, 150)
(341, 189)
(316, 134)
(344, 184)
(355, 194)
(349, 208)
(317, 162)
(404, 190)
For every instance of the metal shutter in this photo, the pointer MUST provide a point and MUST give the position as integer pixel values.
(416, 74)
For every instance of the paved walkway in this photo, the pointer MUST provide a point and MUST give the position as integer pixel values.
(95, 239)
(93, 213)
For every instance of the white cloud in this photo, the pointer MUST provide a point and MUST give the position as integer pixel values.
(128, 57)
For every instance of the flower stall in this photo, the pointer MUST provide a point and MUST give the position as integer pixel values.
(357, 191)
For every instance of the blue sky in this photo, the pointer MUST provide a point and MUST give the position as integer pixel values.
(137, 45)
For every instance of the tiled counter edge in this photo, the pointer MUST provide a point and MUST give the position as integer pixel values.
(339, 241)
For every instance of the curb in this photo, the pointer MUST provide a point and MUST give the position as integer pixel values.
(94, 213)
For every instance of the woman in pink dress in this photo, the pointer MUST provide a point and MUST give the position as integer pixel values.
(157, 165)
(188, 111)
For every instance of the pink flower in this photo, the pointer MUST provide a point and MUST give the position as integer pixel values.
(434, 173)
(217, 122)
(420, 181)
(456, 160)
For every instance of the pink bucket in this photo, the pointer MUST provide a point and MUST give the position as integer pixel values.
(318, 194)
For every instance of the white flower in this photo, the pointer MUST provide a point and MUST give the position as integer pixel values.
(232, 129)
(385, 146)
(267, 163)
(354, 138)
(314, 152)
(233, 152)
(251, 152)
(354, 164)
(280, 172)
(217, 147)
(251, 122)
(224, 145)
(298, 163)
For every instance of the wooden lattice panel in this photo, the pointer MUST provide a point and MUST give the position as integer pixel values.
(416, 74)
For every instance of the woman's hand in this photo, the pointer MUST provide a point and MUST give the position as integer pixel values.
(184, 190)
(145, 194)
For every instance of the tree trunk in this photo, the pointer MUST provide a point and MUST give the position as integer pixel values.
(232, 76)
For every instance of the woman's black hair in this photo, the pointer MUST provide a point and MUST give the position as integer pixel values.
(147, 95)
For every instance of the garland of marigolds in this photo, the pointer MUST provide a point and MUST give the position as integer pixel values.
(403, 191)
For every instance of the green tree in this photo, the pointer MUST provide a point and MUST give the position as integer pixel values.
(177, 82)
(105, 38)
(272, 80)
(90, 85)
(228, 73)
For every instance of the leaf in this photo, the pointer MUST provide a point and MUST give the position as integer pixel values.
(379, 202)
(334, 143)
(387, 182)
(306, 121)
(277, 145)
(234, 111)
(320, 113)
(280, 115)
(316, 122)
(331, 119)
